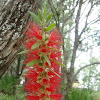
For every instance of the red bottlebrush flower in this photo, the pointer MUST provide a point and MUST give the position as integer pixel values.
(56, 96)
(31, 75)
(42, 79)
(55, 38)
(32, 97)
(34, 32)
(45, 81)
(40, 70)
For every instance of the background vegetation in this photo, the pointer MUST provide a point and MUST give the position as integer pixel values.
(78, 22)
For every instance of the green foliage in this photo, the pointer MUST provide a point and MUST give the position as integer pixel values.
(31, 63)
(7, 84)
(42, 18)
(22, 52)
(11, 97)
(7, 87)
(56, 49)
(35, 45)
(59, 63)
(47, 60)
(44, 11)
(35, 17)
(91, 73)
(96, 96)
(50, 27)
(39, 14)
(6, 97)
(49, 17)
(63, 86)
(79, 94)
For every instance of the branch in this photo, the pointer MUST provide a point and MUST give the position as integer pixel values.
(54, 10)
(94, 21)
(49, 1)
(77, 19)
(76, 36)
(85, 26)
(95, 63)
(72, 12)
(69, 16)
(62, 22)
(96, 34)
(61, 1)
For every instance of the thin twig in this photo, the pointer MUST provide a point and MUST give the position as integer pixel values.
(95, 63)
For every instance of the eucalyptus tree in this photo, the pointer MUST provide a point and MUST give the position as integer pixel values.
(73, 19)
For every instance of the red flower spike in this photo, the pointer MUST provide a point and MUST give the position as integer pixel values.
(41, 81)
(32, 97)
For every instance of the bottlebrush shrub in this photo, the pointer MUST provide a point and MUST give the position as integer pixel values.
(43, 57)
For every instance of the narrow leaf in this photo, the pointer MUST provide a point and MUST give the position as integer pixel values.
(49, 17)
(47, 59)
(55, 73)
(34, 46)
(31, 63)
(58, 63)
(56, 49)
(50, 27)
(39, 14)
(44, 11)
(22, 52)
(35, 17)
(57, 42)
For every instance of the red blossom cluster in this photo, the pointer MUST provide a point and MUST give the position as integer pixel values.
(43, 78)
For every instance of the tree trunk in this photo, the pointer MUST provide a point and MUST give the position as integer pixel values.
(13, 19)
(70, 74)
(66, 77)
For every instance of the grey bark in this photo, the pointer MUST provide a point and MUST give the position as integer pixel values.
(13, 19)
(69, 74)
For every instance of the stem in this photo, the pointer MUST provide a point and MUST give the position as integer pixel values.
(43, 29)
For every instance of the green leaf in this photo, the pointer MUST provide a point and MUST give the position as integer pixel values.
(55, 73)
(31, 63)
(59, 63)
(35, 17)
(49, 17)
(39, 14)
(34, 46)
(50, 27)
(56, 49)
(22, 52)
(58, 42)
(47, 59)
(44, 11)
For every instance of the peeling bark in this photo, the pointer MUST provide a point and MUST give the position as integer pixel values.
(13, 19)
